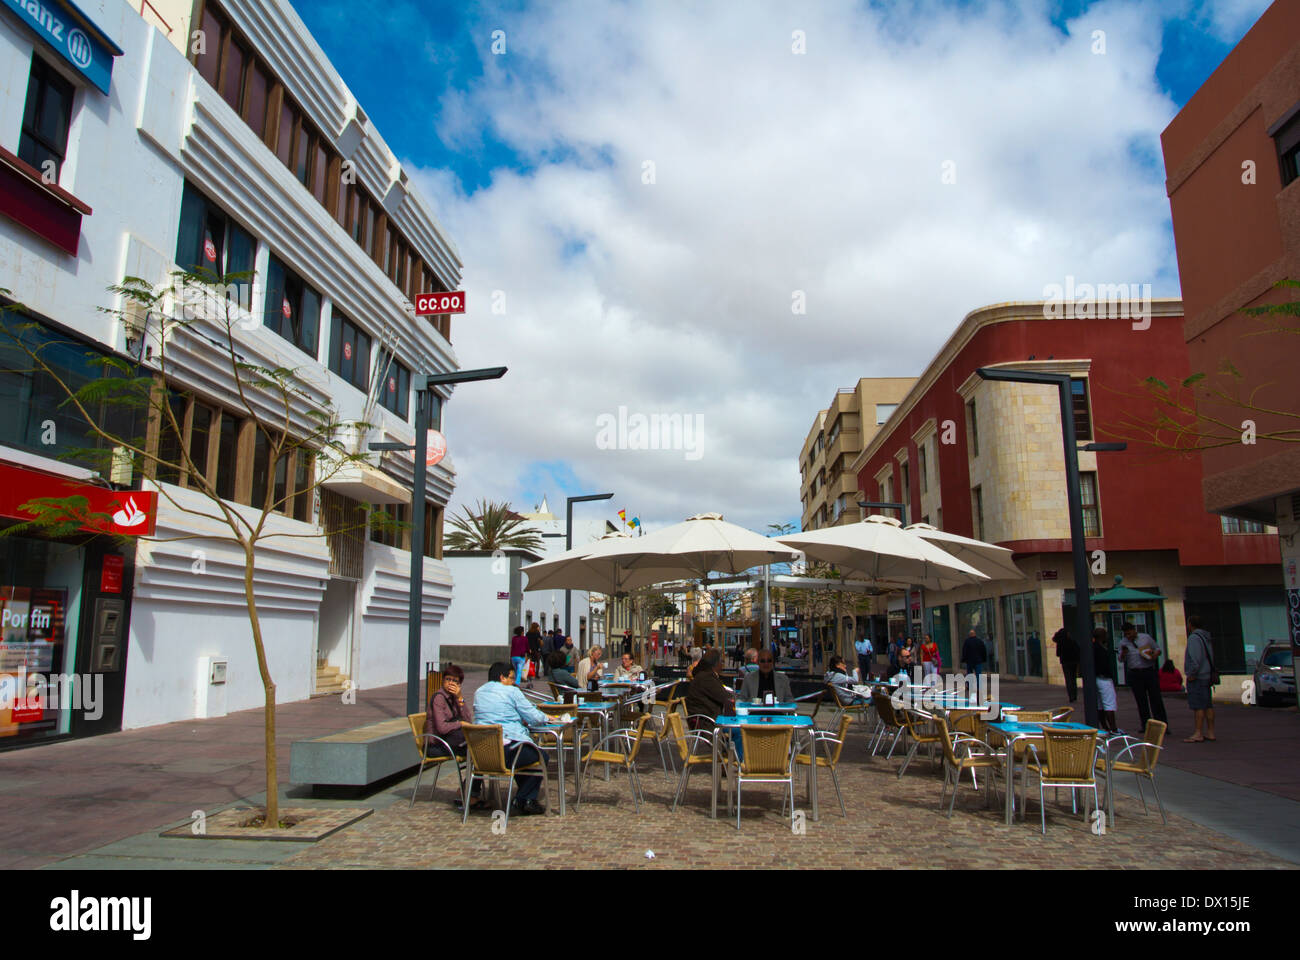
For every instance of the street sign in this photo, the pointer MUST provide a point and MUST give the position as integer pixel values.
(433, 304)
(437, 448)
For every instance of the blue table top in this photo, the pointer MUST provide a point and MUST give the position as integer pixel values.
(1035, 728)
(760, 705)
(788, 721)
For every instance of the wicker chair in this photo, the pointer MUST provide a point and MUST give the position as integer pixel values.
(856, 707)
(688, 750)
(625, 758)
(922, 731)
(1067, 759)
(485, 749)
(1144, 754)
(1034, 716)
(817, 700)
(769, 758)
(422, 741)
(1062, 714)
(961, 753)
(831, 758)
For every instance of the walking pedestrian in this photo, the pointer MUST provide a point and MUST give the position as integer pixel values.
(518, 653)
(1067, 651)
(1201, 676)
(931, 662)
(1104, 672)
(974, 655)
(864, 650)
(1140, 658)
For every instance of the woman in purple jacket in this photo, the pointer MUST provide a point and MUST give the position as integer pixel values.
(519, 654)
(447, 711)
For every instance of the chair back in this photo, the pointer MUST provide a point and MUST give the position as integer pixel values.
(949, 754)
(970, 722)
(665, 695)
(485, 744)
(1061, 714)
(1070, 754)
(643, 733)
(841, 735)
(885, 710)
(1154, 735)
(556, 692)
(1034, 716)
(767, 750)
(416, 720)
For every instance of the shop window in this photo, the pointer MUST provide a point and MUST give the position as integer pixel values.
(395, 386)
(350, 348)
(292, 308)
(46, 119)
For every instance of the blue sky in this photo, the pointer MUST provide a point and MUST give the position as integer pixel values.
(773, 172)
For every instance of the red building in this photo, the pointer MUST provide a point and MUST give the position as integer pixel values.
(985, 459)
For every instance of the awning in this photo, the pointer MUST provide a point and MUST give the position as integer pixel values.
(366, 484)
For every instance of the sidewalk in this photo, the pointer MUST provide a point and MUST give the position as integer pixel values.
(102, 802)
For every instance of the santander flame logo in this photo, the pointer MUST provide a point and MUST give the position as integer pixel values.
(130, 515)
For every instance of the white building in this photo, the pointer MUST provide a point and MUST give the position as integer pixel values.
(243, 151)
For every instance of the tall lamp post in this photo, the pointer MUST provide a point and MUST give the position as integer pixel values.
(568, 545)
(1074, 500)
(423, 383)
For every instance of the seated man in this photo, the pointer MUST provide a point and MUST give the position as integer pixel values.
(751, 660)
(627, 670)
(766, 680)
(499, 701)
(707, 695)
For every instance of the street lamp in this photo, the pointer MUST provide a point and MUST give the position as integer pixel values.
(415, 614)
(568, 545)
(1074, 500)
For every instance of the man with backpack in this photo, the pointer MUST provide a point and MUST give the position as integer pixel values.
(1201, 676)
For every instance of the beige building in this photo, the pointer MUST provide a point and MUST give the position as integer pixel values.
(828, 488)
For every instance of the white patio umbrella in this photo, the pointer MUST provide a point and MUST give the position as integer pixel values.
(993, 561)
(698, 545)
(587, 567)
(878, 549)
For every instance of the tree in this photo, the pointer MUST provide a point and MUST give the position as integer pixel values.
(293, 421)
(493, 527)
(1203, 412)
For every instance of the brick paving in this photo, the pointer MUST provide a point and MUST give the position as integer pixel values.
(890, 822)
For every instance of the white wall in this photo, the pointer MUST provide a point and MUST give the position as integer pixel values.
(476, 618)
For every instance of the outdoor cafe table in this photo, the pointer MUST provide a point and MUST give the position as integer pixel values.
(797, 721)
(1012, 732)
(759, 707)
(555, 730)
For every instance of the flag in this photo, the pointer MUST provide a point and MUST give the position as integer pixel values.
(634, 522)
(622, 515)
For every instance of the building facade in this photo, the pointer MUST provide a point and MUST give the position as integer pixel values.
(989, 464)
(216, 135)
(828, 489)
(1232, 161)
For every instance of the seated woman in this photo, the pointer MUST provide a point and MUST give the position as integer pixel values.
(838, 674)
(1171, 681)
(447, 711)
(560, 673)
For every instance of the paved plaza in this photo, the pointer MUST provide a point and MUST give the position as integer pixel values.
(102, 803)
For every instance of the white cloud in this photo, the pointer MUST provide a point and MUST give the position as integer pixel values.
(776, 172)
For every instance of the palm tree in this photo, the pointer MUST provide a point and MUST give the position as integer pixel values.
(492, 526)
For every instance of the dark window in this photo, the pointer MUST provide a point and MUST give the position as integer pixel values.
(227, 445)
(170, 443)
(284, 135)
(209, 60)
(350, 352)
(395, 386)
(921, 471)
(1287, 138)
(435, 411)
(292, 307)
(320, 167)
(46, 118)
(200, 438)
(232, 74)
(381, 527)
(302, 154)
(1233, 525)
(1091, 508)
(1223, 621)
(259, 85)
(302, 496)
(974, 428)
(1082, 413)
(209, 241)
(977, 509)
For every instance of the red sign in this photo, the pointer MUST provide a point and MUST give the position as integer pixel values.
(209, 249)
(432, 304)
(127, 512)
(437, 448)
(110, 576)
(285, 308)
(347, 351)
(503, 595)
(28, 710)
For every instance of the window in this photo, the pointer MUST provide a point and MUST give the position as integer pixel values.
(292, 308)
(232, 74)
(209, 241)
(227, 446)
(395, 387)
(977, 511)
(209, 59)
(259, 85)
(266, 477)
(435, 411)
(1233, 525)
(1091, 510)
(973, 426)
(302, 485)
(922, 470)
(907, 484)
(381, 528)
(884, 411)
(1286, 135)
(350, 352)
(46, 118)
(1082, 415)
(433, 531)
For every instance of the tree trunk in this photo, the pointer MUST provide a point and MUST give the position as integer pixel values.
(268, 685)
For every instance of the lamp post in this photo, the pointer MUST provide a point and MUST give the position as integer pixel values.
(1074, 501)
(415, 615)
(568, 545)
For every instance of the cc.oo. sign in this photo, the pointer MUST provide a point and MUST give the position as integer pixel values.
(432, 304)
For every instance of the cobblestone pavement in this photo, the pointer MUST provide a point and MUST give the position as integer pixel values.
(890, 822)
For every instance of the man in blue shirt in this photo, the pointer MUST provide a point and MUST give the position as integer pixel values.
(865, 651)
(500, 702)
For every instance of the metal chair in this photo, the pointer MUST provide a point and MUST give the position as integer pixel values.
(422, 741)
(486, 753)
(855, 707)
(1067, 759)
(889, 720)
(830, 759)
(922, 730)
(962, 753)
(1145, 753)
(625, 758)
(769, 758)
(687, 744)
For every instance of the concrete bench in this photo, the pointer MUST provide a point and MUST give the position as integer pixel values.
(354, 758)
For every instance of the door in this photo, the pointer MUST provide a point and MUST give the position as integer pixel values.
(1020, 624)
(334, 635)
